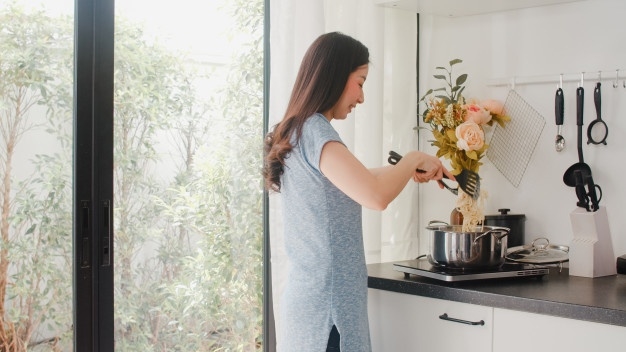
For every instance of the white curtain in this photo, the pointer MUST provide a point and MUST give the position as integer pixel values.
(384, 122)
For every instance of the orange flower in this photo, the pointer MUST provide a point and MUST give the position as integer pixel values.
(477, 114)
(493, 106)
(470, 136)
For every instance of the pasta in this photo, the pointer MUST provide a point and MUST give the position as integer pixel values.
(472, 210)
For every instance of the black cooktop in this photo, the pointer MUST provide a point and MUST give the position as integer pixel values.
(422, 267)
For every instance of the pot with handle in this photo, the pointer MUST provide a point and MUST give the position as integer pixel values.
(484, 247)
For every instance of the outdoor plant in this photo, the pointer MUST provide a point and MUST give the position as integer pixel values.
(35, 224)
(188, 245)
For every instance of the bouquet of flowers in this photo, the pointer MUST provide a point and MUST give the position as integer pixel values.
(458, 126)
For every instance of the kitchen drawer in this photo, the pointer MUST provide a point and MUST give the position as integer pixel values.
(402, 323)
(516, 331)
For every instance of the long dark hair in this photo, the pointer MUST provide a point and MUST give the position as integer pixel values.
(322, 77)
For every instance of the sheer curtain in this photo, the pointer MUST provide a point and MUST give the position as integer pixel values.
(384, 122)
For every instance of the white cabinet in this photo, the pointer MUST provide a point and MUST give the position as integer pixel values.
(402, 323)
(456, 8)
(516, 331)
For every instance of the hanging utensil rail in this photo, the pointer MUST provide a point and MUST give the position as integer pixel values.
(614, 76)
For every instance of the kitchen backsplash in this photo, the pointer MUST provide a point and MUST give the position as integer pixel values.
(532, 51)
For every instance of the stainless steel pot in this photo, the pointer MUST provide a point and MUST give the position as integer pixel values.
(484, 247)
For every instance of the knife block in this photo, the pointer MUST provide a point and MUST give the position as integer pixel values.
(591, 251)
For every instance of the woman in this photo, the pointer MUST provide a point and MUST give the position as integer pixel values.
(323, 187)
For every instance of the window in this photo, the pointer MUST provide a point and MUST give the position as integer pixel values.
(186, 242)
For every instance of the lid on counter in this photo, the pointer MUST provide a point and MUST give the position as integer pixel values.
(504, 215)
(540, 251)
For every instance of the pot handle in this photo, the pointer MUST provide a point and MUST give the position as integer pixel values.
(493, 232)
(432, 222)
(542, 247)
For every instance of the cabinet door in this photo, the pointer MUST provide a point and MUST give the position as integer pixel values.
(516, 331)
(403, 323)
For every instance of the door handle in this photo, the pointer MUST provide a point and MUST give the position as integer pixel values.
(85, 247)
(105, 238)
(445, 316)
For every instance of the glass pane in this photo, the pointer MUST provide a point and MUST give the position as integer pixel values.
(36, 73)
(188, 188)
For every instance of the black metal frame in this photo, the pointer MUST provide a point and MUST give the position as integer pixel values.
(269, 328)
(93, 176)
(93, 180)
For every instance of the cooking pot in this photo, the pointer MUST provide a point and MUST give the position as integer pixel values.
(484, 247)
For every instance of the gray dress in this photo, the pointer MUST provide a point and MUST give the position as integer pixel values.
(327, 282)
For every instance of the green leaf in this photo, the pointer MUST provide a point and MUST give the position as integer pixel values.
(455, 61)
(461, 79)
(445, 98)
(31, 229)
(440, 77)
(450, 133)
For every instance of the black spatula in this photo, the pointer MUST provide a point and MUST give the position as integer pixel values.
(469, 181)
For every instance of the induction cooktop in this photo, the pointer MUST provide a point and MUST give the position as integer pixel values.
(422, 267)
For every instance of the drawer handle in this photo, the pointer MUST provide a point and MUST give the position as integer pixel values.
(445, 316)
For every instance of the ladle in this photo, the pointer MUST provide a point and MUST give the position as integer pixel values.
(569, 176)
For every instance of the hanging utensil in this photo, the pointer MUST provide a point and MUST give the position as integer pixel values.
(558, 112)
(579, 174)
(468, 181)
(597, 130)
(569, 176)
(511, 148)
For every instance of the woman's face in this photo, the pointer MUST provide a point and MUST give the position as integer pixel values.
(351, 96)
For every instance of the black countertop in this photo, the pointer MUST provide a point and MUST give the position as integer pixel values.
(601, 299)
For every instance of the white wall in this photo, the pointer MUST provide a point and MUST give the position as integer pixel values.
(534, 45)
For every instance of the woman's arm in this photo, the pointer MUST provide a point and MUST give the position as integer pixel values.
(376, 188)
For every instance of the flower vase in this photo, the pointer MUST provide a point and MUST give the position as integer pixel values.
(456, 217)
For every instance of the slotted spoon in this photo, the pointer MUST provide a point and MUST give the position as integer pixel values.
(468, 181)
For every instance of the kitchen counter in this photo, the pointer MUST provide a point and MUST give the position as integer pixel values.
(601, 300)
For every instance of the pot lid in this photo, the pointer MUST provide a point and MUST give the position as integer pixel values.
(540, 251)
(504, 215)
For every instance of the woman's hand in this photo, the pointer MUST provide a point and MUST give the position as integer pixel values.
(429, 166)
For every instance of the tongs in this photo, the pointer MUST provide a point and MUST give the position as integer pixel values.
(469, 181)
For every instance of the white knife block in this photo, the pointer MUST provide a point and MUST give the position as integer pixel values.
(591, 251)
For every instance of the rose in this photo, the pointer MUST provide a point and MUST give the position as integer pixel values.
(493, 106)
(470, 136)
(476, 113)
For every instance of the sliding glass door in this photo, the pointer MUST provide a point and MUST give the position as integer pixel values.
(36, 94)
(188, 195)
(131, 197)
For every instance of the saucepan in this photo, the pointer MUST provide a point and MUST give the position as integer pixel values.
(483, 247)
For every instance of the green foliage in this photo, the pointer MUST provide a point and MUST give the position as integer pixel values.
(188, 244)
(201, 287)
(35, 246)
(453, 92)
